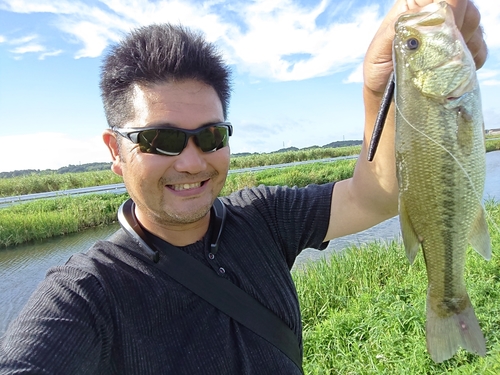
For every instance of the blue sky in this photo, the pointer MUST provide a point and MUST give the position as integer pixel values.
(296, 70)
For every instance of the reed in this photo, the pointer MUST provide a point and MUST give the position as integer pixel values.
(47, 218)
(292, 156)
(40, 183)
(492, 145)
(45, 182)
(363, 311)
(300, 175)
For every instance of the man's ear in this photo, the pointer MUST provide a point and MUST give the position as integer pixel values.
(109, 138)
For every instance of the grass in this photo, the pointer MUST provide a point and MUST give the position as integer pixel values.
(364, 311)
(300, 175)
(46, 218)
(492, 145)
(40, 183)
(292, 156)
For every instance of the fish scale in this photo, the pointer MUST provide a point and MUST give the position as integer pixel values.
(441, 162)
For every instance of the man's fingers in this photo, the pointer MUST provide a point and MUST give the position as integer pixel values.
(472, 33)
(470, 22)
(477, 47)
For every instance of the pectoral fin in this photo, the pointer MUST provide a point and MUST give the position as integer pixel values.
(410, 238)
(479, 238)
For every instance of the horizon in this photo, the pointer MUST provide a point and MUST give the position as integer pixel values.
(242, 154)
(297, 77)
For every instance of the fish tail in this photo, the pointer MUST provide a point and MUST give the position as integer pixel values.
(446, 334)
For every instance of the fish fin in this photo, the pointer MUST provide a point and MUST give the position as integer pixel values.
(479, 238)
(446, 334)
(410, 238)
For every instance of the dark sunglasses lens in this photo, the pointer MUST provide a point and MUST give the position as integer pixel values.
(212, 138)
(162, 141)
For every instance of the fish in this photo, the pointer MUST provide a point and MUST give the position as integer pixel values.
(441, 167)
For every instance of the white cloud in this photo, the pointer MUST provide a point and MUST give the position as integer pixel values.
(49, 151)
(490, 19)
(356, 75)
(29, 44)
(53, 53)
(491, 82)
(28, 48)
(284, 42)
(24, 39)
(277, 39)
(489, 77)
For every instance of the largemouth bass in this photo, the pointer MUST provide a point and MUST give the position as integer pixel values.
(440, 159)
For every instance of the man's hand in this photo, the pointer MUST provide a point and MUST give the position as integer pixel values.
(378, 61)
(371, 195)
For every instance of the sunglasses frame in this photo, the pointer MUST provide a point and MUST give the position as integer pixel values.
(132, 134)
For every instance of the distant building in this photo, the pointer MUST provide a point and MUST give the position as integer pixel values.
(492, 131)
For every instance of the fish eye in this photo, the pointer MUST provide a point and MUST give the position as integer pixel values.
(412, 44)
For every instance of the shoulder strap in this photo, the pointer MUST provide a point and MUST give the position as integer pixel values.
(219, 292)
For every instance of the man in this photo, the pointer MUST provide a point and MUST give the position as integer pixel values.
(109, 311)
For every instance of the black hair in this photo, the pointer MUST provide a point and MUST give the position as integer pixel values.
(155, 54)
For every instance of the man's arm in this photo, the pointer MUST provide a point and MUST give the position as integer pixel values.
(371, 195)
(61, 330)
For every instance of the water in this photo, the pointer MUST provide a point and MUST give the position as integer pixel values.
(23, 267)
(390, 230)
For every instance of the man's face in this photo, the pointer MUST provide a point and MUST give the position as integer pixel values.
(172, 191)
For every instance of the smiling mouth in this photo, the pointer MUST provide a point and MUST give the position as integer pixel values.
(180, 187)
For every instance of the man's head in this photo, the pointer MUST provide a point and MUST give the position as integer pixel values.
(158, 54)
(165, 93)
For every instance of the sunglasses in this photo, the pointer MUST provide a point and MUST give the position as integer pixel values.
(171, 141)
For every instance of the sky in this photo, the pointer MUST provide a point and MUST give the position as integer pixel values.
(296, 66)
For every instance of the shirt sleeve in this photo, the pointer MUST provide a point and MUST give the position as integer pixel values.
(61, 330)
(297, 218)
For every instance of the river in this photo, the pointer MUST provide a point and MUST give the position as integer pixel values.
(23, 267)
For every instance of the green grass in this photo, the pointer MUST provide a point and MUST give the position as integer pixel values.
(364, 311)
(44, 182)
(40, 183)
(46, 218)
(300, 175)
(492, 145)
(292, 156)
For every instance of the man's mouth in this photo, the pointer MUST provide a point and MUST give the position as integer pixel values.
(180, 187)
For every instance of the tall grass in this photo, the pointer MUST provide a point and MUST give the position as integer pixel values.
(492, 145)
(364, 311)
(40, 183)
(292, 156)
(300, 175)
(46, 218)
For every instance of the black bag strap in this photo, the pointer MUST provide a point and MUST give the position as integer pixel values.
(200, 279)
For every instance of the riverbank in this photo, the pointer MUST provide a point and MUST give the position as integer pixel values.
(45, 218)
(364, 311)
(45, 182)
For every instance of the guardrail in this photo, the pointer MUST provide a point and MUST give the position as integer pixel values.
(120, 187)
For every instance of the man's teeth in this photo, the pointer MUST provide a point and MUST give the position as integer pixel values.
(186, 186)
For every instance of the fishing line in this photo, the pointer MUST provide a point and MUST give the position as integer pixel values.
(476, 193)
